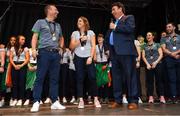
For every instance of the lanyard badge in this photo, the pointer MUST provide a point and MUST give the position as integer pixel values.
(83, 43)
(173, 42)
(53, 32)
(150, 47)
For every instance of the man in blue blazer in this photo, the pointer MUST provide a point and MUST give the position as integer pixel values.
(123, 56)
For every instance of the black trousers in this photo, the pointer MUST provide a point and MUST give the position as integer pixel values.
(87, 86)
(64, 78)
(18, 81)
(104, 91)
(81, 68)
(2, 92)
(165, 79)
(138, 82)
(150, 74)
(29, 94)
(173, 69)
(72, 82)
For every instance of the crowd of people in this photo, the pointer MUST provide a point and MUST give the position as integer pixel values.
(50, 72)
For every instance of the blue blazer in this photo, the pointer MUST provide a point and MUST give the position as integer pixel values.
(123, 36)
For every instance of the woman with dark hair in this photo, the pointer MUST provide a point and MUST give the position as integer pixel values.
(64, 71)
(84, 45)
(6, 83)
(72, 78)
(152, 55)
(11, 43)
(19, 57)
(30, 77)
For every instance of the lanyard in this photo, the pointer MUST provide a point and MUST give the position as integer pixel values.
(72, 54)
(19, 52)
(101, 51)
(173, 40)
(83, 43)
(51, 30)
(150, 47)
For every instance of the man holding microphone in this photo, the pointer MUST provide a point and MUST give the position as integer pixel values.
(123, 56)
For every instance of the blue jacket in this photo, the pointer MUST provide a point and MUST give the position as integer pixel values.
(123, 36)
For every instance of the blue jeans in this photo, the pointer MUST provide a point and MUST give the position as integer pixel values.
(81, 68)
(47, 61)
(173, 68)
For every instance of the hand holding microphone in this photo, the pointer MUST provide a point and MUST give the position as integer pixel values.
(112, 25)
(83, 40)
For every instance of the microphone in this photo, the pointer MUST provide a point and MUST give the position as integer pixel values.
(83, 43)
(112, 20)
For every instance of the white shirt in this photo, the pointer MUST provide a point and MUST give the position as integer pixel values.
(118, 19)
(85, 51)
(64, 57)
(137, 43)
(1, 50)
(22, 56)
(98, 54)
(32, 60)
(71, 63)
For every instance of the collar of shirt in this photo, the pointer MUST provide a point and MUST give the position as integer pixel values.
(119, 18)
(172, 36)
(49, 21)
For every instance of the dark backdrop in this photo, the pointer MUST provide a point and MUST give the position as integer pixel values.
(21, 17)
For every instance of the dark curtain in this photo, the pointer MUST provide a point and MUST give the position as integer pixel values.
(21, 17)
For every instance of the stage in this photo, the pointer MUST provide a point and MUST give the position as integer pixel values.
(144, 109)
